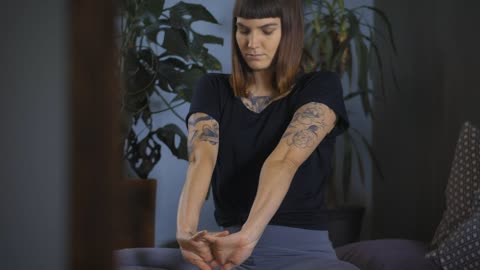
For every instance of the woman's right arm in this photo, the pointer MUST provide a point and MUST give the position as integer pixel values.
(203, 139)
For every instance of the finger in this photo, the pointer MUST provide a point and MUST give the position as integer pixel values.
(214, 264)
(199, 235)
(202, 265)
(220, 234)
(210, 238)
(228, 266)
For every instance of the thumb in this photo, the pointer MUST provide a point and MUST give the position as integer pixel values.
(210, 238)
(199, 235)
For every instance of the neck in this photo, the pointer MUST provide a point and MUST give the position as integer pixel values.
(262, 85)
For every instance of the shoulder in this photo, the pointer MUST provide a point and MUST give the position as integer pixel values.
(212, 84)
(319, 78)
(215, 79)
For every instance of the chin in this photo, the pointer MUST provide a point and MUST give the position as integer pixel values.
(259, 67)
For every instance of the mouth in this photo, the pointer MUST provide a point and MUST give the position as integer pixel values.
(254, 56)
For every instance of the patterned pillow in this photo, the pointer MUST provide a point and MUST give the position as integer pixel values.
(461, 249)
(463, 182)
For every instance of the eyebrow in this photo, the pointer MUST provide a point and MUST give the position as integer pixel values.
(239, 24)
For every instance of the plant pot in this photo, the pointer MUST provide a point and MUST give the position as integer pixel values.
(344, 224)
(136, 217)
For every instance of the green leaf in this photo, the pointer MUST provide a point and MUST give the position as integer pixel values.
(142, 155)
(362, 54)
(151, 32)
(190, 78)
(386, 21)
(211, 63)
(147, 117)
(349, 66)
(167, 135)
(206, 39)
(357, 93)
(200, 52)
(155, 7)
(176, 43)
(376, 54)
(184, 14)
(326, 52)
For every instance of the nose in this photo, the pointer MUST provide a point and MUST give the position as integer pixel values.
(253, 40)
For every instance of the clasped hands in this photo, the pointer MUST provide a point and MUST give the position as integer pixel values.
(208, 250)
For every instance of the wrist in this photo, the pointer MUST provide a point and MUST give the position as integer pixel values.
(186, 232)
(251, 233)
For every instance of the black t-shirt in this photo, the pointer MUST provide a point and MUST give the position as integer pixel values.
(247, 139)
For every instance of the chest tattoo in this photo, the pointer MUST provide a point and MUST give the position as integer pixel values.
(257, 103)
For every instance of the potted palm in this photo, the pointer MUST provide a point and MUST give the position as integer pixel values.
(162, 57)
(334, 41)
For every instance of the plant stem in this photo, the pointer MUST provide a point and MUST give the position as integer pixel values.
(173, 107)
(170, 108)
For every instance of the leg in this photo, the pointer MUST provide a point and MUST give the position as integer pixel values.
(151, 259)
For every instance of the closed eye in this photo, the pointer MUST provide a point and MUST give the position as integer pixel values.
(246, 32)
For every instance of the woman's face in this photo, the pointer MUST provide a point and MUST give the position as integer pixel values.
(258, 40)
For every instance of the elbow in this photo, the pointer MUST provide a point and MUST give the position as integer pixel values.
(286, 164)
(198, 159)
(291, 164)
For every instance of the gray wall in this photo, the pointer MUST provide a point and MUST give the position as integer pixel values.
(33, 137)
(416, 130)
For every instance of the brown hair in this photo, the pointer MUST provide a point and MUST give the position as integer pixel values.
(286, 63)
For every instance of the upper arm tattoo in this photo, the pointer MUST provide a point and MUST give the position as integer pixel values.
(202, 127)
(309, 124)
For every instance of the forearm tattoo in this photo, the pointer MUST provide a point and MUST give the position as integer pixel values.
(257, 103)
(308, 124)
(202, 127)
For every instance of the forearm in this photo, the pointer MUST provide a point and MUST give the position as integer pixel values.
(193, 195)
(275, 179)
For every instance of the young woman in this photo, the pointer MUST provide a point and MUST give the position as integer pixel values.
(264, 136)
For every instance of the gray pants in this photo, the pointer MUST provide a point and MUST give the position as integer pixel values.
(279, 248)
(282, 248)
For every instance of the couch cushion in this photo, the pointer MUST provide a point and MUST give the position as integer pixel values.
(463, 182)
(461, 249)
(386, 254)
(151, 259)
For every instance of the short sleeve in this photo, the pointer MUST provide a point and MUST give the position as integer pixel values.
(325, 88)
(206, 97)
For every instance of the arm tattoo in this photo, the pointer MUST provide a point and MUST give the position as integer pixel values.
(307, 125)
(257, 103)
(204, 128)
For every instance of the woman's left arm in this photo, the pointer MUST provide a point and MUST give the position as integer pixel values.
(309, 125)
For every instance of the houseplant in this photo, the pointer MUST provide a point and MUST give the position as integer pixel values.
(161, 58)
(335, 40)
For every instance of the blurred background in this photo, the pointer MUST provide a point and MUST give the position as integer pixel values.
(60, 109)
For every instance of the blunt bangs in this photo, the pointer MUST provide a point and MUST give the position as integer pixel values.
(257, 9)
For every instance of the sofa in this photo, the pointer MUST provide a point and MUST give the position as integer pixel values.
(455, 245)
